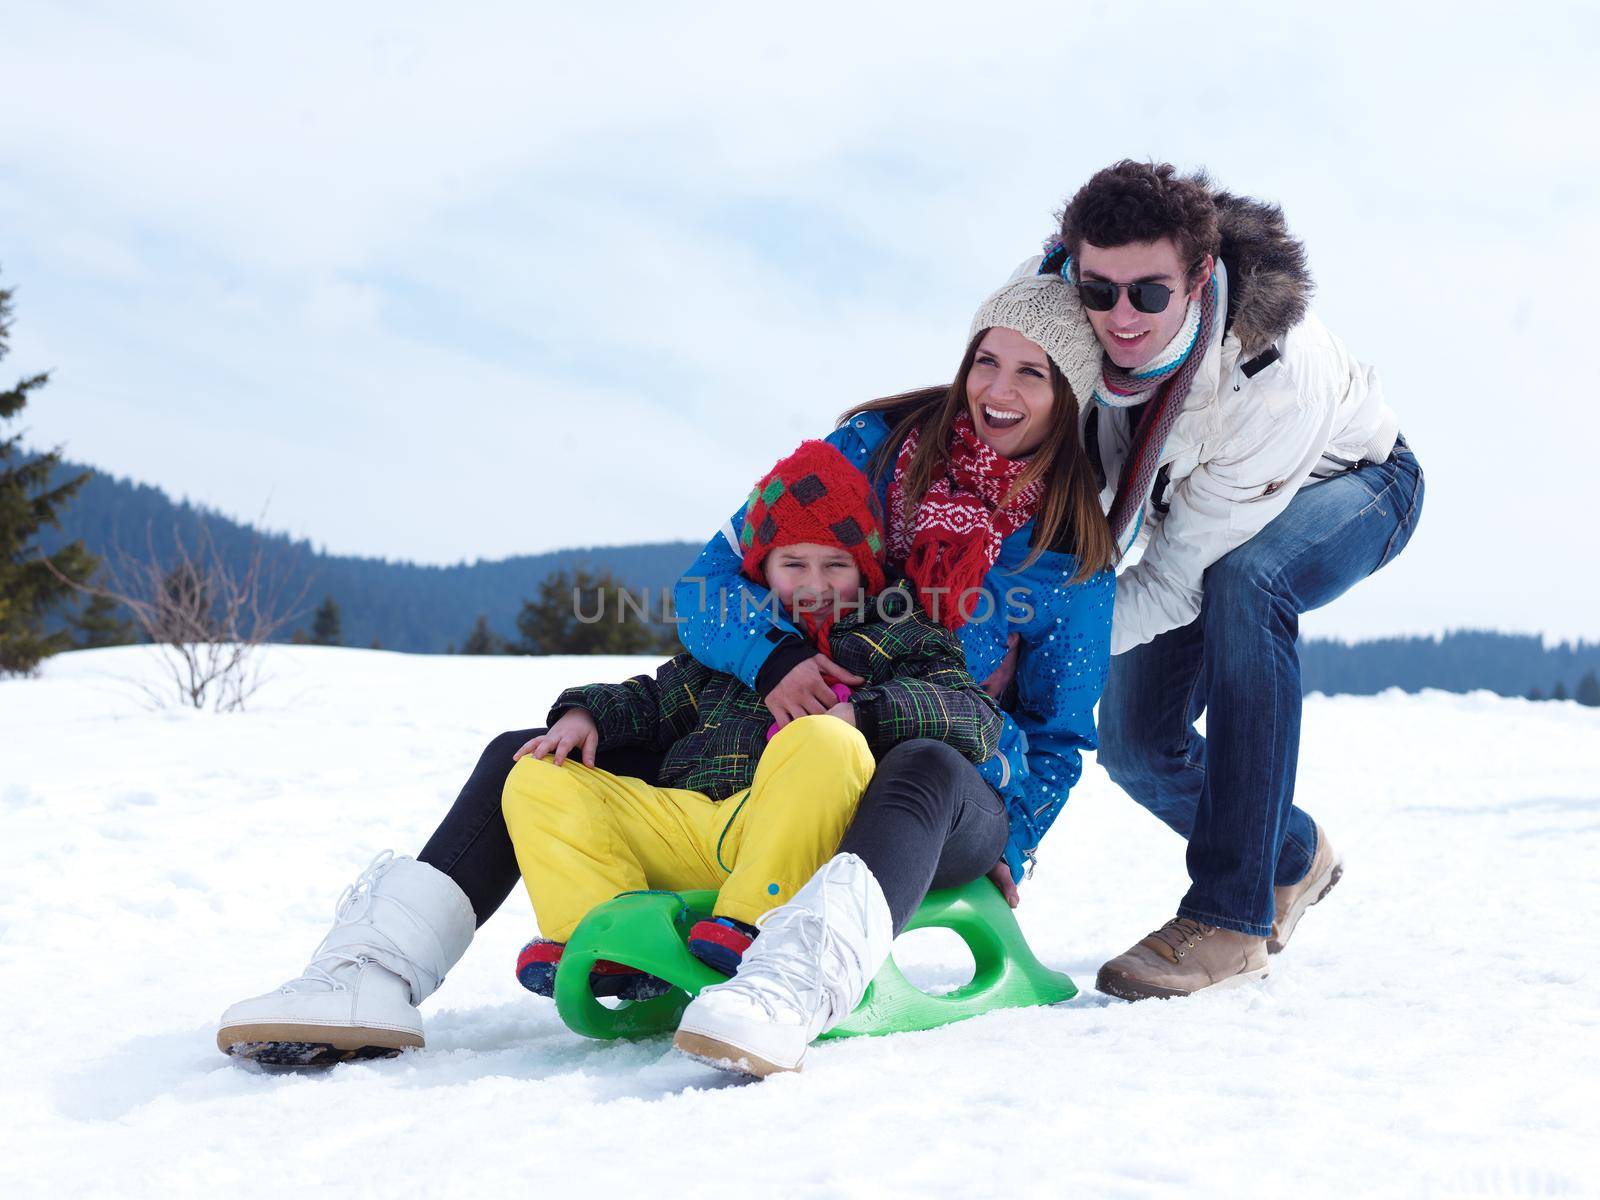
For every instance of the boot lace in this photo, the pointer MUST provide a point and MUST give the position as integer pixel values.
(315, 972)
(790, 969)
(1181, 934)
(352, 905)
(786, 976)
(354, 901)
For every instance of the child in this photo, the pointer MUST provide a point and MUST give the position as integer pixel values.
(751, 818)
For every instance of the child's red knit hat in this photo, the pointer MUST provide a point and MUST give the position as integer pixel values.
(814, 495)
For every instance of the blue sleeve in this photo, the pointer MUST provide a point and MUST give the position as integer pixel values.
(724, 620)
(1060, 674)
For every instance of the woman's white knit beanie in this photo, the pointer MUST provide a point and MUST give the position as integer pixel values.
(1045, 309)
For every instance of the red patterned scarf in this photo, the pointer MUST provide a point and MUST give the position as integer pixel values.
(948, 545)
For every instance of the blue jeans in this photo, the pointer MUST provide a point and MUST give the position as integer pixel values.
(1231, 793)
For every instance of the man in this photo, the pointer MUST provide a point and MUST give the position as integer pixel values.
(1256, 464)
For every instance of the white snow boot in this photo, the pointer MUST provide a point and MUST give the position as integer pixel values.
(806, 972)
(397, 930)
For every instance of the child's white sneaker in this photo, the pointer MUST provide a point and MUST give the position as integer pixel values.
(397, 930)
(806, 972)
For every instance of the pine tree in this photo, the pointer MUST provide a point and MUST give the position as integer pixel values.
(32, 584)
(102, 624)
(325, 624)
(1588, 693)
(586, 613)
(1535, 694)
(1559, 692)
(482, 639)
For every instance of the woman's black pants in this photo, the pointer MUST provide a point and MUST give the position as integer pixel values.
(927, 820)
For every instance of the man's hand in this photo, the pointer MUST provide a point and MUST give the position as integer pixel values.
(1001, 874)
(574, 729)
(1001, 678)
(845, 711)
(807, 690)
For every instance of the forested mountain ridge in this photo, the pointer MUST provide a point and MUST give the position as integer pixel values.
(404, 606)
(407, 606)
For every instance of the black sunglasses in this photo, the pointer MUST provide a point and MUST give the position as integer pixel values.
(1100, 295)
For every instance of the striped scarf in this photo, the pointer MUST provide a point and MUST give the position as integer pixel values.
(1169, 375)
(952, 539)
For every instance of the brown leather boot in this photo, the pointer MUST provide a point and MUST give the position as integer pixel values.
(1182, 957)
(1293, 900)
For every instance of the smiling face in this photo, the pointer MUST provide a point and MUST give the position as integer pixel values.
(810, 578)
(1129, 337)
(1009, 393)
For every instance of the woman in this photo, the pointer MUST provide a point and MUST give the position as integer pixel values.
(995, 455)
(994, 516)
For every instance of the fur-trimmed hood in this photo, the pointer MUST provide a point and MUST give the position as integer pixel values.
(1249, 436)
(1269, 283)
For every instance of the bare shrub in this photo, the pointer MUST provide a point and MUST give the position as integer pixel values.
(208, 618)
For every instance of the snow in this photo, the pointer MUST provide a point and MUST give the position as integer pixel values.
(1432, 1030)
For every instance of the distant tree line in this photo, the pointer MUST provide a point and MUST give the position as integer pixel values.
(57, 511)
(1587, 693)
(1463, 661)
(392, 605)
(526, 605)
(581, 612)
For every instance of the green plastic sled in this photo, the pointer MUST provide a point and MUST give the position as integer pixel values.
(649, 930)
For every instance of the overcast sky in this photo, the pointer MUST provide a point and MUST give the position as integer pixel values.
(448, 283)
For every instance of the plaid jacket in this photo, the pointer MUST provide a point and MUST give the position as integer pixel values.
(713, 727)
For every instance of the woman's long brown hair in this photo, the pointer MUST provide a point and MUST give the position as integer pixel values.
(1071, 504)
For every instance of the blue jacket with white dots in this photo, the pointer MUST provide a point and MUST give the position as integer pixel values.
(729, 624)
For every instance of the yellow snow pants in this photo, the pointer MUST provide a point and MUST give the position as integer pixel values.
(583, 836)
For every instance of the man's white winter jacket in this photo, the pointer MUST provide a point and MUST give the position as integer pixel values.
(1277, 399)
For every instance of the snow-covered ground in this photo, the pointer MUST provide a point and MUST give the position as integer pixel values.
(1432, 1030)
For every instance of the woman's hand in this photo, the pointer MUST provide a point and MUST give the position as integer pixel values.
(1001, 874)
(1000, 679)
(807, 690)
(574, 729)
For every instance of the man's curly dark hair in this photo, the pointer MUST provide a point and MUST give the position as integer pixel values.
(1144, 202)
